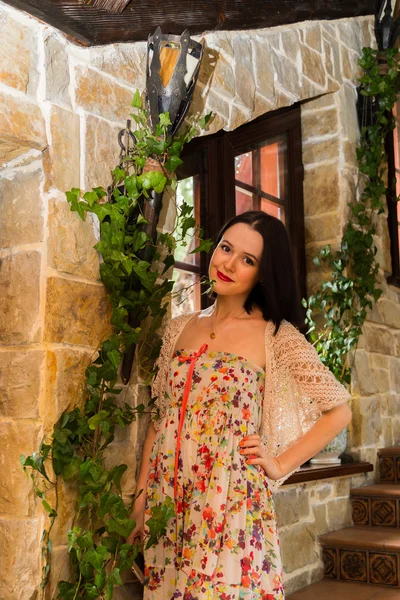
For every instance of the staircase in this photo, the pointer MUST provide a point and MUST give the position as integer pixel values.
(363, 562)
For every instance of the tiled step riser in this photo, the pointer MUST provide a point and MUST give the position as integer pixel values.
(389, 469)
(363, 566)
(376, 512)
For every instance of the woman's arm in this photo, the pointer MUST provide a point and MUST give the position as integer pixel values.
(327, 427)
(315, 439)
(139, 505)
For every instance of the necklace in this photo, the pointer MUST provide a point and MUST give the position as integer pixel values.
(213, 333)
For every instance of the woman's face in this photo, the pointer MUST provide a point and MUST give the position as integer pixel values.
(235, 262)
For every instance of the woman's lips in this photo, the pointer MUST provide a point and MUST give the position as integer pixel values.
(224, 277)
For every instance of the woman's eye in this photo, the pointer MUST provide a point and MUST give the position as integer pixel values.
(225, 248)
(250, 261)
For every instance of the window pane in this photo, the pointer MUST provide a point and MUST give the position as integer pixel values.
(244, 200)
(187, 191)
(273, 168)
(185, 293)
(244, 168)
(273, 209)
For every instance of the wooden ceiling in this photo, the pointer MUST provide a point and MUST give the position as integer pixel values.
(98, 22)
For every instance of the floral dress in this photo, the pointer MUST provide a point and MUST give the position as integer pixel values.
(223, 541)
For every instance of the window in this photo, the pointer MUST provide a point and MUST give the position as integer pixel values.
(255, 167)
(393, 151)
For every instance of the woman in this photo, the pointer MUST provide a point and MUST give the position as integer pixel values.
(243, 400)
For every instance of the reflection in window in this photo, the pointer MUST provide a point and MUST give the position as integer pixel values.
(261, 176)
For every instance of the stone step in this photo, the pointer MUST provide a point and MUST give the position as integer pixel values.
(389, 464)
(331, 590)
(362, 554)
(376, 505)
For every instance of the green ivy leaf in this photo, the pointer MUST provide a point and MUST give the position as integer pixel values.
(137, 100)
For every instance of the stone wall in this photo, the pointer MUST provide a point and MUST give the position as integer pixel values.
(61, 107)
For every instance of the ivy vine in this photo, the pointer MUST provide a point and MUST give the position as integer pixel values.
(353, 287)
(75, 451)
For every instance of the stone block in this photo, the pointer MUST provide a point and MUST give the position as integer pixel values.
(18, 53)
(332, 58)
(65, 381)
(349, 151)
(322, 228)
(263, 69)
(363, 381)
(382, 380)
(244, 76)
(57, 70)
(393, 403)
(76, 313)
(338, 513)
(287, 74)
(21, 122)
(298, 547)
(320, 151)
(313, 66)
(379, 361)
(378, 339)
(125, 63)
(315, 124)
(20, 384)
(62, 157)
(350, 67)
(350, 34)
(394, 370)
(17, 497)
(71, 240)
(219, 104)
(297, 582)
(21, 209)
(20, 298)
(290, 44)
(342, 486)
(390, 312)
(323, 101)
(366, 425)
(19, 559)
(320, 524)
(223, 79)
(238, 116)
(312, 36)
(102, 95)
(10, 150)
(349, 128)
(60, 569)
(388, 439)
(101, 152)
(321, 190)
(291, 506)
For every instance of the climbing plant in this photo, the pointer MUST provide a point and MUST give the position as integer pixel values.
(344, 299)
(75, 451)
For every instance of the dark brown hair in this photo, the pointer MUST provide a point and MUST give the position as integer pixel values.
(276, 293)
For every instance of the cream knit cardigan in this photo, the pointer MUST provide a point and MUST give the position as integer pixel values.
(298, 386)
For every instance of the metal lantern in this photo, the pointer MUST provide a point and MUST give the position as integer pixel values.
(172, 68)
(387, 24)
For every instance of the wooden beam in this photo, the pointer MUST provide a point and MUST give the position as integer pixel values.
(111, 6)
(92, 25)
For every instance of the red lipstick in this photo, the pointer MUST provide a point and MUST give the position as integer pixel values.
(223, 277)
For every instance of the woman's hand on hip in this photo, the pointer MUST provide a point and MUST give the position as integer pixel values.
(254, 451)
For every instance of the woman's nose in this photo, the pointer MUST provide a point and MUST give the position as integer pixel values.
(230, 262)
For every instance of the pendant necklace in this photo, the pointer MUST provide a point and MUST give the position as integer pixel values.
(213, 333)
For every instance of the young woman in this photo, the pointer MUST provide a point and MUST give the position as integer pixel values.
(243, 400)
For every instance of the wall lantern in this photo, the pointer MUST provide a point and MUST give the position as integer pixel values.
(172, 68)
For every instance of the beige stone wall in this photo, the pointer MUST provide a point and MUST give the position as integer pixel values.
(61, 107)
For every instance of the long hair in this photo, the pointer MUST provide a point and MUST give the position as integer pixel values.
(276, 293)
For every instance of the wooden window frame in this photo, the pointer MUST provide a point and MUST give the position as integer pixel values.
(394, 278)
(213, 157)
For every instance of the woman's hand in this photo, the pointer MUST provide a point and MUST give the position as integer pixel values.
(137, 516)
(252, 448)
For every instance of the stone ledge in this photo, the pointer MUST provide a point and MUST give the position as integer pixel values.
(310, 472)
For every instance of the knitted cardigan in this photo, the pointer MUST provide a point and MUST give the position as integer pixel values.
(298, 386)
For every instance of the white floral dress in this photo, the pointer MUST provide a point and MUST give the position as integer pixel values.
(223, 541)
